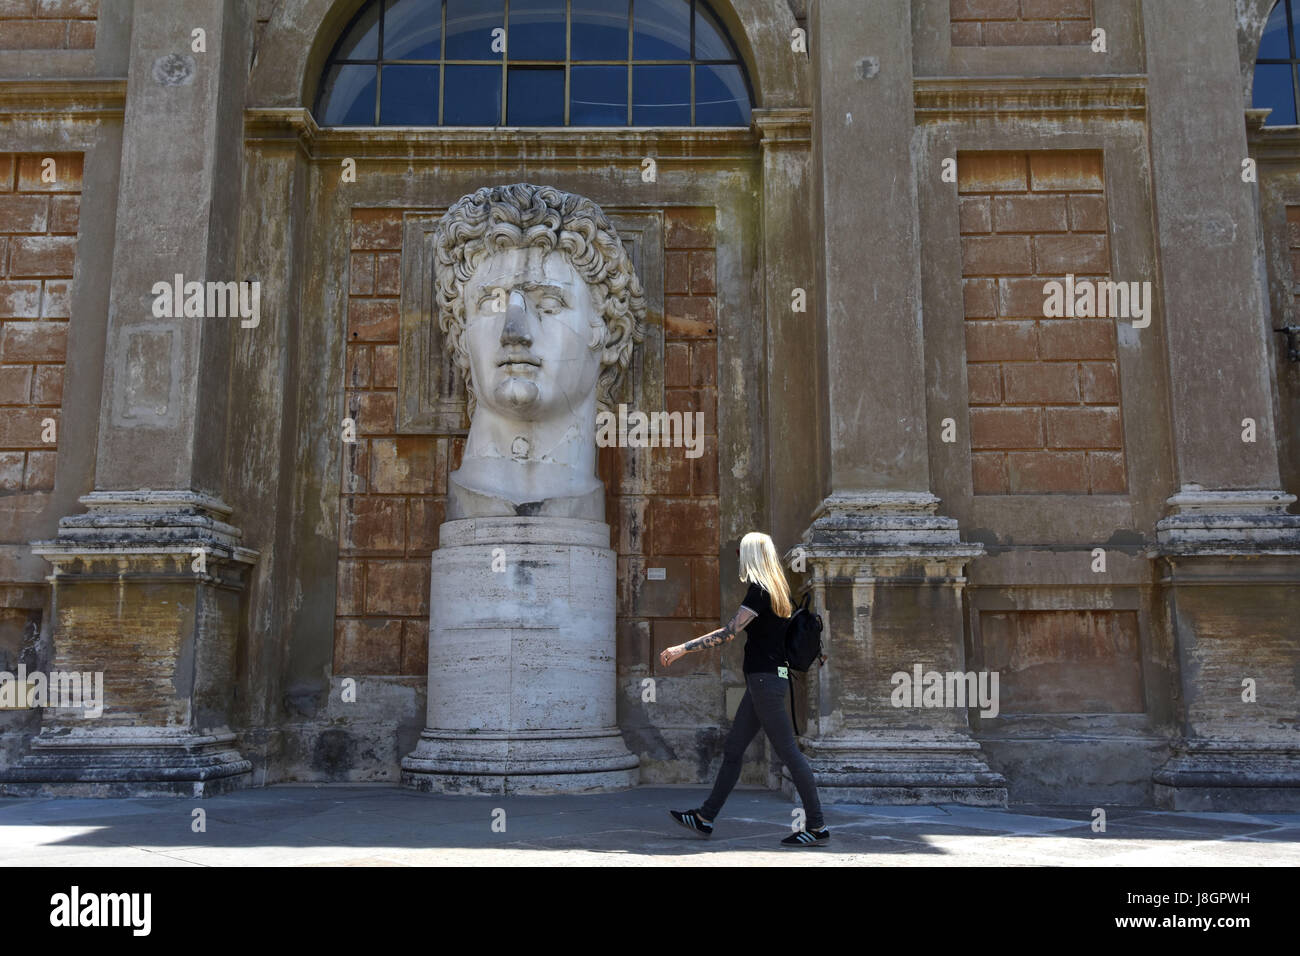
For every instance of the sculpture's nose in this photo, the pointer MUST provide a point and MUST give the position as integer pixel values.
(516, 329)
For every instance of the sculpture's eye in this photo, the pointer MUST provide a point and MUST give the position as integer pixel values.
(549, 305)
(493, 300)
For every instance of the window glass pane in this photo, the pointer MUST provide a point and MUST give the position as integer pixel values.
(472, 96)
(535, 96)
(348, 97)
(413, 30)
(362, 40)
(1273, 89)
(408, 96)
(709, 42)
(1274, 45)
(469, 28)
(661, 95)
(536, 30)
(720, 96)
(598, 96)
(662, 30)
(599, 30)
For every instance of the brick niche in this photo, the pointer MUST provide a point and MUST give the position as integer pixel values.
(38, 249)
(1044, 393)
(662, 507)
(1020, 22)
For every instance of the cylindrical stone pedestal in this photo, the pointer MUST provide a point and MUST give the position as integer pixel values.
(521, 661)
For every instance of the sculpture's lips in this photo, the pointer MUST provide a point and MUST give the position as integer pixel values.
(519, 360)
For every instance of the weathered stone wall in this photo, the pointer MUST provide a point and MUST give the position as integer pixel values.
(1020, 22)
(925, 304)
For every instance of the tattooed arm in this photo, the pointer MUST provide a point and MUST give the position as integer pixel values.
(713, 639)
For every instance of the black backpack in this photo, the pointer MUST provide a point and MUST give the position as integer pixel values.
(803, 637)
(803, 645)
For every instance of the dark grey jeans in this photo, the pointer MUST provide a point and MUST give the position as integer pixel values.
(766, 706)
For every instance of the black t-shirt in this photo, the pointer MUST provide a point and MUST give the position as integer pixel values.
(764, 635)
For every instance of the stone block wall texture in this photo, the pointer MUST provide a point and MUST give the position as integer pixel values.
(1045, 413)
(48, 24)
(1020, 22)
(662, 507)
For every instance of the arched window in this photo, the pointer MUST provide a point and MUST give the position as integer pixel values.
(534, 63)
(1275, 68)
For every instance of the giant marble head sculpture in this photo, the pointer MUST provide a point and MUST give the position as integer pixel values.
(540, 307)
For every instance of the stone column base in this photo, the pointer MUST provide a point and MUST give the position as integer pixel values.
(145, 596)
(128, 762)
(1232, 776)
(1231, 576)
(887, 575)
(902, 769)
(520, 762)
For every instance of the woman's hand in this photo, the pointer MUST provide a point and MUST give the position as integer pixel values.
(671, 654)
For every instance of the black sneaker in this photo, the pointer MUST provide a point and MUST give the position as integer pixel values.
(806, 838)
(692, 820)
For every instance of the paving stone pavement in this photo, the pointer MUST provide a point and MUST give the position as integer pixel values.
(388, 826)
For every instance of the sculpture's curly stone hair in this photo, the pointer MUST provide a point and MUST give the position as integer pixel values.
(521, 215)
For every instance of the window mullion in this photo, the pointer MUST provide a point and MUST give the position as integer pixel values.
(631, 19)
(568, 54)
(442, 60)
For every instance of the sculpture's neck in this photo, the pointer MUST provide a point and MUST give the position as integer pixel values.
(566, 440)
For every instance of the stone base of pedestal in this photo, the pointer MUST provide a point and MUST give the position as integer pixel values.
(541, 762)
(130, 762)
(522, 695)
(896, 769)
(1231, 777)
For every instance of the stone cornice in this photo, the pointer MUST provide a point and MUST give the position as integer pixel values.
(1271, 144)
(64, 98)
(941, 99)
(790, 126)
(569, 145)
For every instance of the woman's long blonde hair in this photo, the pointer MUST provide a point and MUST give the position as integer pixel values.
(760, 565)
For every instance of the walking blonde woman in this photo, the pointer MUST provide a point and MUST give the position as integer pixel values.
(763, 615)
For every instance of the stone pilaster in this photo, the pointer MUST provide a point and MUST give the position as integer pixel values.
(1228, 551)
(147, 586)
(887, 571)
(795, 353)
